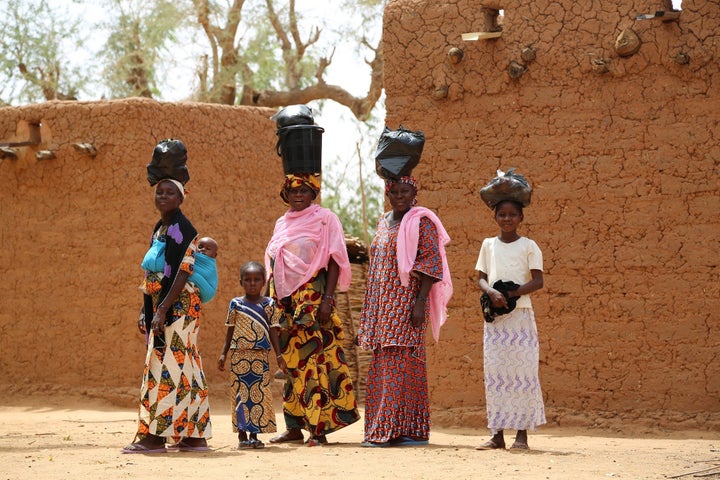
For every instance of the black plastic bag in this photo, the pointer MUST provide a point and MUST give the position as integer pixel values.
(398, 152)
(293, 115)
(506, 186)
(169, 160)
(490, 312)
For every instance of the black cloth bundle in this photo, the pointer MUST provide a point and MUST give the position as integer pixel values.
(490, 312)
(169, 160)
(398, 152)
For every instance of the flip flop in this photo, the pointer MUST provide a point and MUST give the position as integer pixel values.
(315, 441)
(255, 443)
(140, 448)
(284, 438)
(404, 440)
(375, 444)
(491, 445)
(184, 447)
(243, 444)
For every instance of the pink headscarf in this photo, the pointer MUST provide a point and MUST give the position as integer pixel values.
(303, 243)
(407, 246)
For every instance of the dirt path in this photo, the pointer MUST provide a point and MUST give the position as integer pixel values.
(84, 440)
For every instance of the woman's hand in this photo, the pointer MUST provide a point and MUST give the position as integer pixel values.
(325, 310)
(221, 363)
(141, 323)
(158, 321)
(418, 312)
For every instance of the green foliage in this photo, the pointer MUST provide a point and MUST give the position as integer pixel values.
(341, 193)
(345, 181)
(36, 45)
(259, 48)
(136, 43)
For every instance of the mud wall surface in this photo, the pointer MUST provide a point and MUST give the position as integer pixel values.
(626, 208)
(623, 155)
(75, 229)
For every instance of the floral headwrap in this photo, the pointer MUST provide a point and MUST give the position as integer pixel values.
(294, 180)
(408, 179)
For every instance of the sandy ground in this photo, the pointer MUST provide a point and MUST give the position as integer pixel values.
(82, 439)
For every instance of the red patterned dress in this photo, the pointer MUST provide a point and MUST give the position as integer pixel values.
(397, 400)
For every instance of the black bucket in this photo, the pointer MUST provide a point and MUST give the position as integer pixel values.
(300, 147)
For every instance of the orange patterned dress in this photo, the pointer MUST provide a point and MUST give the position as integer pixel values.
(174, 392)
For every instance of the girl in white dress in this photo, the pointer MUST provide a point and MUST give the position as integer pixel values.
(511, 349)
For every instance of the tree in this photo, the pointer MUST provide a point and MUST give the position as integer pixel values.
(35, 47)
(354, 192)
(135, 44)
(299, 76)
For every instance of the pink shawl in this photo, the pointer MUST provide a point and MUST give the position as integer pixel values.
(407, 246)
(303, 243)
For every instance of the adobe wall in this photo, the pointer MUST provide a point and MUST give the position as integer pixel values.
(75, 228)
(626, 209)
(626, 204)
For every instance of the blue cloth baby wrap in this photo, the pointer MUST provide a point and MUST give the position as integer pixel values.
(204, 276)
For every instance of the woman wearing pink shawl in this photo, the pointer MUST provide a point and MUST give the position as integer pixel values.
(307, 260)
(408, 286)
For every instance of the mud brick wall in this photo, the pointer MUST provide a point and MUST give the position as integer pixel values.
(75, 228)
(626, 204)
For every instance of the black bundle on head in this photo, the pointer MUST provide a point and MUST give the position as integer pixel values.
(506, 186)
(169, 160)
(398, 152)
(299, 140)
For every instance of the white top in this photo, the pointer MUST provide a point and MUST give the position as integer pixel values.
(510, 262)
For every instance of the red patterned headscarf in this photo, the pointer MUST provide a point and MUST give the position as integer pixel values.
(408, 179)
(294, 180)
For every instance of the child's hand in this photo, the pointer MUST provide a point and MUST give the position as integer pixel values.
(221, 363)
(281, 363)
(498, 299)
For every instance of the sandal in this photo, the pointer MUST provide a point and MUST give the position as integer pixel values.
(288, 437)
(518, 445)
(315, 441)
(243, 444)
(255, 443)
(491, 445)
(140, 448)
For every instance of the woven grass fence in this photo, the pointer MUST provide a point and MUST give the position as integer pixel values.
(348, 307)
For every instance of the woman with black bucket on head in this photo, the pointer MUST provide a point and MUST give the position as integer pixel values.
(307, 260)
(408, 287)
(174, 394)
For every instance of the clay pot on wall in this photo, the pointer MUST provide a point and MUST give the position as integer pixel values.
(627, 43)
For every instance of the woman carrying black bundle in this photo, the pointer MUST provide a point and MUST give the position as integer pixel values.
(408, 288)
(174, 395)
